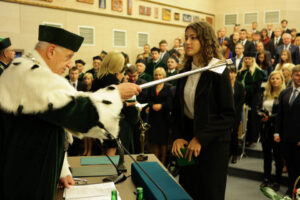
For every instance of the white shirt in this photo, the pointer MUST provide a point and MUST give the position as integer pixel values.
(189, 93)
(286, 47)
(268, 105)
(171, 71)
(162, 54)
(276, 40)
(238, 60)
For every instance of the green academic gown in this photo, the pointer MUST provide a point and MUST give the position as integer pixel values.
(172, 74)
(2, 67)
(37, 112)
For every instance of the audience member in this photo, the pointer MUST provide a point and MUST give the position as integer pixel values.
(277, 40)
(103, 54)
(259, 48)
(267, 112)
(263, 62)
(160, 102)
(225, 50)
(287, 45)
(288, 126)
(96, 66)
(285, 60)
(235, 39)
(254, 27)
(293, 34)
(248, 45)
(7, 54)
(270, 31)
(268, 44)
(238, 100)
(140, 64)
(74, 75)
(147, 54)
(251, 76)
(80, 64)
(164, 54)
(155, 62)
(284, 28)
(222, 36)
(173, 63)
(287, 74)
(256, 37)
(239, 56)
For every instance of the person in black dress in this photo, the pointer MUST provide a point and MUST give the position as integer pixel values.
(160, 101)
(203, 115)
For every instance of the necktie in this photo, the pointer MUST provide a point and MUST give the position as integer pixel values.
(293, 97)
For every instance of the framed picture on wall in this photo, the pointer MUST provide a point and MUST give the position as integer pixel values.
(166, 14)
(186, 18)
(156, 13)
(196, 18)
(176, 16)
(142, 10)
(148, 11)
(47, 0)
(102, 3)
(86, 1)
(129, 7)
(209, 20)
(117, 5)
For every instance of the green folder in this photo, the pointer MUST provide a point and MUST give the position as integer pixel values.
(90, 171)
(98, 160)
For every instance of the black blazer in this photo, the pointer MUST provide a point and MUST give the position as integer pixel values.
(240, 64)
(81, 86)
(109, 79)
(165, 58)
(239, 99)
(288, 120)
(213, 109)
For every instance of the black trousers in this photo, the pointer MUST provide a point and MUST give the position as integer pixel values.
(206, 180)
(234, 140)
(270, 149)
(292, 156)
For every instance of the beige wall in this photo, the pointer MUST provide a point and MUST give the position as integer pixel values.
(20, 19)
(289, 9)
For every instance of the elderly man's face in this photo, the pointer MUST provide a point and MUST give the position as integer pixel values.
(286, 39)
(61, 59)
(10, 53)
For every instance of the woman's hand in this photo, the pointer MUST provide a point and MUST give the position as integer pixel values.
(265, 118)
(178, 144)
(156, 107)
(66, 182)
(194, 147)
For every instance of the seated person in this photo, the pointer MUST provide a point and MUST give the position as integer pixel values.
(141, 66)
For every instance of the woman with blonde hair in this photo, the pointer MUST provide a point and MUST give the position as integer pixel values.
(268, 112)
(160, 102)
(203, 115)
(251, 76)
(285, 60)
(112, 64)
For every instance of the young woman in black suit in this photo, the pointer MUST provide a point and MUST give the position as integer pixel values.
(203, 115)
(268, 112)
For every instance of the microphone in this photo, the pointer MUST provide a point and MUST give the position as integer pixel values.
(121, 175)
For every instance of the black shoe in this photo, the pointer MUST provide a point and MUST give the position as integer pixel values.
(265, 183)
(234, 159)
(275, 186)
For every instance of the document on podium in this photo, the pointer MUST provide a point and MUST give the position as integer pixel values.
(100, 191)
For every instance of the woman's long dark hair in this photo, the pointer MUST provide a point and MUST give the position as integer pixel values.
(266, 63)
(210, 47)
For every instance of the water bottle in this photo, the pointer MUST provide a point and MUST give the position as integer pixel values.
(114, 195)
(139, 193)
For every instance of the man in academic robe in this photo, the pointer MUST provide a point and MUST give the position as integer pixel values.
(38, 109)
(141, 66)
(7, 54)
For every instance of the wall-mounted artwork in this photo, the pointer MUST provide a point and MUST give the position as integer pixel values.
(209, 20)
(85, 1)
(166, 14)
(117, 5)
(143, 10)
(186, 18)
(196, 18)
(102, 3)
(47, 0)
(129, 7)
(156, 13)
(176, 16)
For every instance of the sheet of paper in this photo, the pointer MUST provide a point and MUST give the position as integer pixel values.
(100, 191)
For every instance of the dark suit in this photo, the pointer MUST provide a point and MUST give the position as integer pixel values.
(272, 35)
(280, 42)
(221, 40)
(249, 46)
(294, 52)
(81, 86)
(165, 58)
(213, 117)
(240, 64)
(238, 97)
(288, 126)
(152, 66)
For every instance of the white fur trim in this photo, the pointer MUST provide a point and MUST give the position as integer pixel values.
(33, 89)
(65, 171)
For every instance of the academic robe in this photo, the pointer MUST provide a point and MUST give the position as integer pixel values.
(172, 74)
(36, 112)
(150, 68)
(2, 67)
(145, 76)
